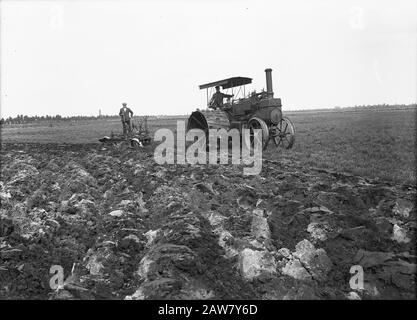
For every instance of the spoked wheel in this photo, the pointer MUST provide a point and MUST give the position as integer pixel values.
(283, 134)
(257, 123)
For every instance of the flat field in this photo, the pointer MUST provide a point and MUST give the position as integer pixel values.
(125, 227)
(370, 143)
(376, 144)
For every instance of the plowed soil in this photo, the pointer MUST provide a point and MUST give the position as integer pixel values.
(123, 227)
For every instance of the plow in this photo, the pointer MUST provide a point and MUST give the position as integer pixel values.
(138, 137)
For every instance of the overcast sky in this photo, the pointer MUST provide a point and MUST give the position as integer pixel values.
(76, 57)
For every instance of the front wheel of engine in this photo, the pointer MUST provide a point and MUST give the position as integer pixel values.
(283, 134)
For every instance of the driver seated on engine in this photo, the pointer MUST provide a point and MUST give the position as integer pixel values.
(217, 99)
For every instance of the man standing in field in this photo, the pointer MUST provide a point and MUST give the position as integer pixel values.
(126, 116)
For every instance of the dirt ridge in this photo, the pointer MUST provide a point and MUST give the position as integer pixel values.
(124, 227)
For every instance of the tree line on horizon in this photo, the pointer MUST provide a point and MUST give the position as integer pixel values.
(21, 119)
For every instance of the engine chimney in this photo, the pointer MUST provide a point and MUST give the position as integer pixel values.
(269, 89)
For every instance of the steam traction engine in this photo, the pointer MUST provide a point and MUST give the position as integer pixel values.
(253, 111)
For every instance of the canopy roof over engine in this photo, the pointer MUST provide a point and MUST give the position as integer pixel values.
(227, 83)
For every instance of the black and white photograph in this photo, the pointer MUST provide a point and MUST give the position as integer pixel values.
(210, 156)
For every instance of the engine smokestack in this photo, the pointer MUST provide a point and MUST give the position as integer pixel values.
(269, 89)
